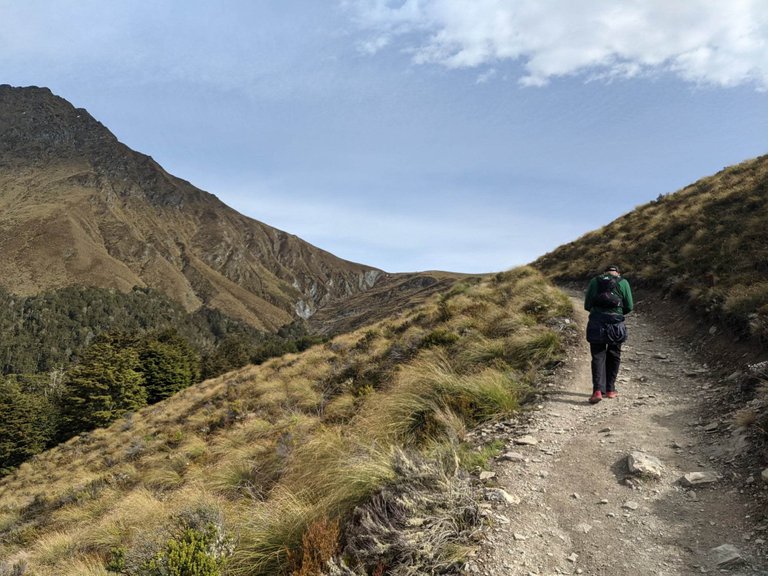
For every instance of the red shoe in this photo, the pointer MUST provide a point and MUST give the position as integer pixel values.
(596, 397)
(612, 394)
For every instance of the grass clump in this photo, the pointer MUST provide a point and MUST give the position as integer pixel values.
(480, 457)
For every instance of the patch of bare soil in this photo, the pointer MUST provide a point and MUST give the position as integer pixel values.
(570, 504)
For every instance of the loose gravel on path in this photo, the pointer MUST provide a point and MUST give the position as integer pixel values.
(569, 504)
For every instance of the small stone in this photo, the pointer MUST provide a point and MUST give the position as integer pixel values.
(487, 475)
(630, 505)
(583, 527)
(526, 440)
(576, 496)
(512, 457)
(604, 430)
(712, 426)
(603, 501)
(713, 330)
(764, 475)
(499, 495)
(573, 558)
(696, 478)
(644, 464)
(519, 537)
(726, 555)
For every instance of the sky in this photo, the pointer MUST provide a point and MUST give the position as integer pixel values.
(463, 135)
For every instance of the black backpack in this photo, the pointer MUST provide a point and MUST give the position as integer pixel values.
(608, 292)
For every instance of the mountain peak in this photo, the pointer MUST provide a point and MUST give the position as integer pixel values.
(35, 124)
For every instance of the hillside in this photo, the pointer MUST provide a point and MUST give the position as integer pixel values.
(706, 245)
(77, 207)
(352, 451)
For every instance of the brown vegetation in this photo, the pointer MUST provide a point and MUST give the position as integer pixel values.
(272, 455)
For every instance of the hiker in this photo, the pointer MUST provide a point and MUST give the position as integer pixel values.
(608, 299)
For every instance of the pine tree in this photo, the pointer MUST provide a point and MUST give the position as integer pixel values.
(169, 364)
(104, 386)
(26, 424)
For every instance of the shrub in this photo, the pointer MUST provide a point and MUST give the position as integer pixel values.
(186, 556)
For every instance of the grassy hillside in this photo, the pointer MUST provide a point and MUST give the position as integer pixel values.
(706, 244)
(350, 451)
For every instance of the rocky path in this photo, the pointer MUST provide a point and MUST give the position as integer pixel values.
(563, 500)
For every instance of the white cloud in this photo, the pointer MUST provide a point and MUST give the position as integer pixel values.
(703, 41)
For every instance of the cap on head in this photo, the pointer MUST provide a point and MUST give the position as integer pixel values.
(612, 268)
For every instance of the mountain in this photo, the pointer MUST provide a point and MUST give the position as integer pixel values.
(705, 245)
(77, 207)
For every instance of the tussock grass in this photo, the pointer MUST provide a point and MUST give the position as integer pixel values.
(86, 566)
(55, 547)
(271, 531)
(302, 440)
(431, 386)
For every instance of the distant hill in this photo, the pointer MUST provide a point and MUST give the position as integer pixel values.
(77, 207)
(706, 244)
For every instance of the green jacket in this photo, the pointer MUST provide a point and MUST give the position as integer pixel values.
(626, 295)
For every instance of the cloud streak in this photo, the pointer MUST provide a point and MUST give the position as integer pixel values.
(702, 41)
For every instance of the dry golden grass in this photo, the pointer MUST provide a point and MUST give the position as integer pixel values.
(301, 438)
(55, 548)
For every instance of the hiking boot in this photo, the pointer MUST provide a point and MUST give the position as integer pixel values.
(596, 397)
(612, 394)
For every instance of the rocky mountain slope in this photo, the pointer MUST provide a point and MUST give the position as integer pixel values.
(79, 207)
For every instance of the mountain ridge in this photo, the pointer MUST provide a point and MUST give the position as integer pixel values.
(79, 207)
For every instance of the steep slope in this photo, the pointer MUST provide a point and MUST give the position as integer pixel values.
(79, 207)
(364, 431)
(706, 244)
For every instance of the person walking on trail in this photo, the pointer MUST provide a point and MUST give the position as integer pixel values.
(608, 299)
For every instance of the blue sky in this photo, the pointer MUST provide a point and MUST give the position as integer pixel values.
(467, 135)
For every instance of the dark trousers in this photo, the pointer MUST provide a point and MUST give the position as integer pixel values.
(606, 359)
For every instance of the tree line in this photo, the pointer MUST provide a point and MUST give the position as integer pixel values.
(80, 358)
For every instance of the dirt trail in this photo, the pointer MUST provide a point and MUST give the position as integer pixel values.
(579, 509)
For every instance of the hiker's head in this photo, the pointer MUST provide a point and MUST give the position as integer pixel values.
(612, 270)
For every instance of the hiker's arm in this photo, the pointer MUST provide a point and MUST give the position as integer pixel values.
(626, 291)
